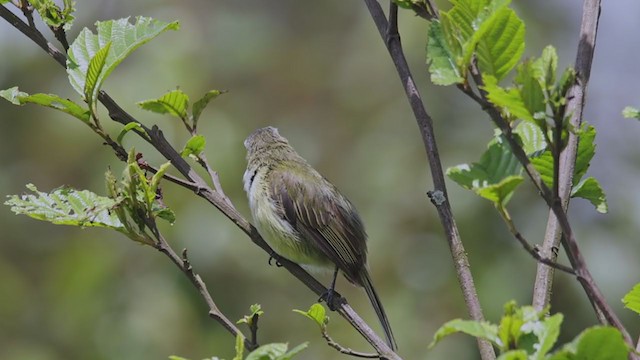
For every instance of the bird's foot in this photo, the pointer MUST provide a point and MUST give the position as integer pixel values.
(272, 258)
(329, 296)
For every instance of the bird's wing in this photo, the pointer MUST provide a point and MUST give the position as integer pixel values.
(325, 218)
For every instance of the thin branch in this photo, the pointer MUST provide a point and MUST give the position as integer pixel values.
(199, 186)
(463, 270)
(344, 350)
(575, 105)
(533, 251)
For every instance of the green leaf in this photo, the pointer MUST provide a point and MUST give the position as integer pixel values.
(495, 177)
(268, 352)
(547, 335)
(91, 86)
(316, 313)
(175, 357)
(514, 355)
(544, 165)
(67, 206)
(18, 97)
(52, 15)
(174, 103)
(591, 190)
(632, 299)
(531, 90)
(483, 330)
(545, 67)
(594, 343)
(130, 126)
(239, 347)
(195, 146)
(441, 57)
(631, 112)
(293, 352)
(586, 151)
(509, 101)
(531, 136)
(256, 310)
(500, 42)
(202, 103)
(124, 38)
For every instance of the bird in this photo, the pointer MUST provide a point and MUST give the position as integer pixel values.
(305, 218)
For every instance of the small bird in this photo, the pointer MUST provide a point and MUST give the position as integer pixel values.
(304, 218)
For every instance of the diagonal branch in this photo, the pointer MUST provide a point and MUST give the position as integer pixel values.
(389, 33)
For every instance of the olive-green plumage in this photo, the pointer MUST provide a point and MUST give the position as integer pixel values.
(303, 217)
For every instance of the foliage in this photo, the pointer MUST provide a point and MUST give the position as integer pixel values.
(527, 334)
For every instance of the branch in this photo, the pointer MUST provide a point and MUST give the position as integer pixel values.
(344, 350)
(195, 183)
(388, 32)
(575, 105)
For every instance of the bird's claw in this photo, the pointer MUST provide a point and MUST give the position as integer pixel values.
(272, 257)
(328, 297)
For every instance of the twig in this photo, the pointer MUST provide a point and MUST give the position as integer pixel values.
(199, 186)
(530, 249)
(461, 262)
(575, 105)
(253, 327)
(344, 350)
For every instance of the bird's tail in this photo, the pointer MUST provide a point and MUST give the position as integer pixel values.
(377, 306)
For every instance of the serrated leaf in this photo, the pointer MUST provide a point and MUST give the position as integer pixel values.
(254, 310)
(494, 177)
(483, 330)
(531, 136)
(586, 151)
(631, 113)
(502, 43)
(174, 103)
(545, 67)
(268, 352)
(544, 165)
(194, 146)
(316, 312)
(441, 57)
(202, 103)
(52, 15)
(96, 65)
(509, 101)
(591, 190)
(597, 343)
(67, 206)
(124, 38)
(547, 335)
(632, 299)
(530, 89)
(18, 97)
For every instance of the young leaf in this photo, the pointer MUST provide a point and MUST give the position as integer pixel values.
(544, 164)
(256, 310)
(91, 86)
(631, 113)
(67, 206)
(531, 89)
(174, 103)
(508, 100)
(591, 190)
(202, 103)
(316, 313)
(531, 136)
(194, 146)
(545, 67)
(632, 299)
(495, 177)
(441, 57)
(130, 126)
(586, 151)
(18, 97)
(482, 330)
(514, 355)
(501, 43)
(239, 347)
(547, 335)
(52, 15)
(293, 352)
(124, 38)
(268, 352)
(597, 343)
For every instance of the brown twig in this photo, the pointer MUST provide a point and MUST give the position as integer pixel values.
(389, 33)
(344, 350)
(199, 186)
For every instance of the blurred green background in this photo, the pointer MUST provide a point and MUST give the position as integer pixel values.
(318, 71)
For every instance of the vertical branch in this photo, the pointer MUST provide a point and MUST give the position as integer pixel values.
(388, 32)
(575, 106)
